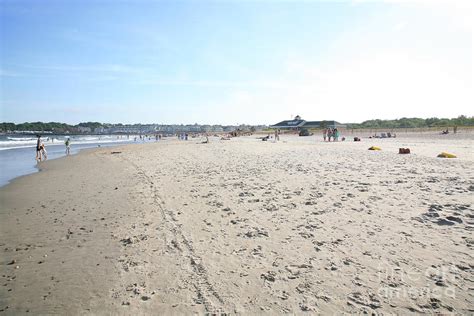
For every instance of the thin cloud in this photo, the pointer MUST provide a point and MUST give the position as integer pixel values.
(400, 26)
(112, 68)
(262, 84)
(8, 73)
(104, 72)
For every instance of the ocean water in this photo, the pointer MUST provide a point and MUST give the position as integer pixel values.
(8, 142)
(18, 152)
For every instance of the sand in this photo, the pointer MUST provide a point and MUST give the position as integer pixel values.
(243, 226)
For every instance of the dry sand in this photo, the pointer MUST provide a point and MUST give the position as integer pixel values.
(243, 226)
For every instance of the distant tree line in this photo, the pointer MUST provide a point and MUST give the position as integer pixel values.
(405, 122)
(36, 126)
(90, 127)
(48, 127)
(93, 125)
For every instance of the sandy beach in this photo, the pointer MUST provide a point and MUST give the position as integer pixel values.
(243, 226)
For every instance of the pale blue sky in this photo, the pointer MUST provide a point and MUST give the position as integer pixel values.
(228, 62)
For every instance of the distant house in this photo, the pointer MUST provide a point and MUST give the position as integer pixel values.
(83, 129)
(289, 124)
(298, 123)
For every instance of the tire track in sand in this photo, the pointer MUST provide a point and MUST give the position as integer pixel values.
(205, 291)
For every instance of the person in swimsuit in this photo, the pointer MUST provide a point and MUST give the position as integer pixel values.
(43, 151)
(38, 148)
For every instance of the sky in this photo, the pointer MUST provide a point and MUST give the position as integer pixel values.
(234, 62)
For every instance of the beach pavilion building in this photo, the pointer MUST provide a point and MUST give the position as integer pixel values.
(298, 123)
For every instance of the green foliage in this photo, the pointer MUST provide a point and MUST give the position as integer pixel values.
(40, 126)
(45, 127)
(404, 122)
(92, 125)
(7, 126)
(414, 122)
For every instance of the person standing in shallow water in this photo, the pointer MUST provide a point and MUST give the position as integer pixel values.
(38, 148)
(68, 146)
(44, 153)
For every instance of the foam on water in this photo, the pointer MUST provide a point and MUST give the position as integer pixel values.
(15, 142)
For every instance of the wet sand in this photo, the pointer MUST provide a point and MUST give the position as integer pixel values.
(243, 226)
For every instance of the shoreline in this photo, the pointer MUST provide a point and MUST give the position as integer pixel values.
(24, 166)
(43, 165)
(241, 226)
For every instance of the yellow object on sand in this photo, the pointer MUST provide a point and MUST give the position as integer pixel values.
(446, 155)
(375, 148)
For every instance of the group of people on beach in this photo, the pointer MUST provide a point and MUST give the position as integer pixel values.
(329, 133)
(183, 136)
(42, 154)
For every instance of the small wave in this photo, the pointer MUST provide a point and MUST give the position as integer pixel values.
(17, 142)
(21, 139)
(5, 145)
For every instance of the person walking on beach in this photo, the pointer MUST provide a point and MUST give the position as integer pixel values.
(68, 146)
(38, 148)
